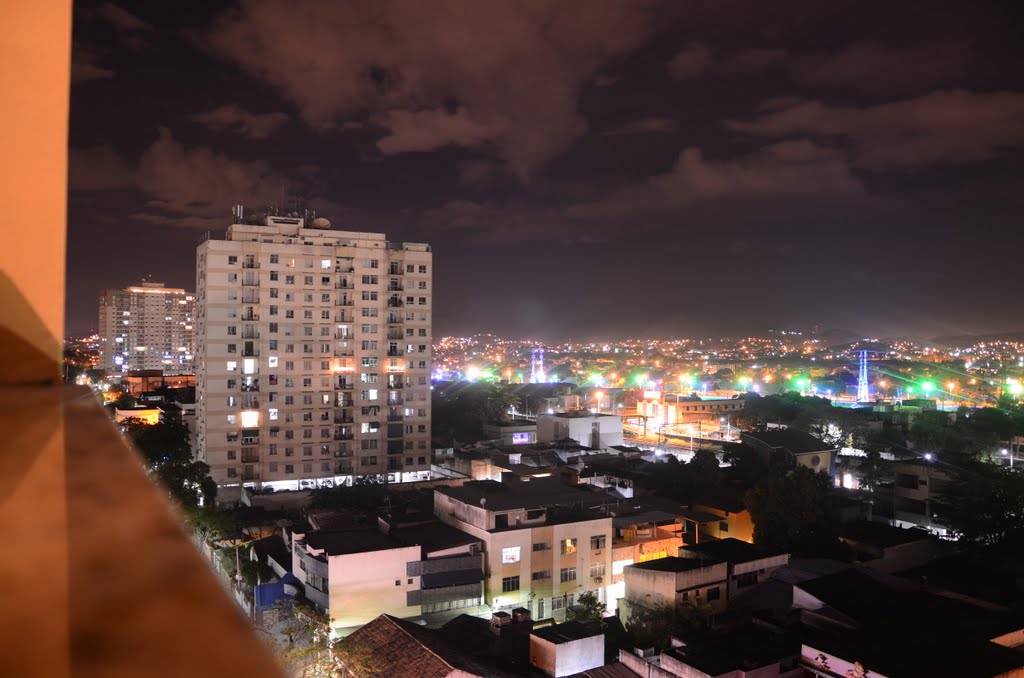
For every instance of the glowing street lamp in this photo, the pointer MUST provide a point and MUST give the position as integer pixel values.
(598, 395)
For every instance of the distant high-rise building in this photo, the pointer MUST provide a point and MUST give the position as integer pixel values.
(146, 327)
(313, 356)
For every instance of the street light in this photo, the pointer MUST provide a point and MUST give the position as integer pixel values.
(597, 395)
(1005, 452)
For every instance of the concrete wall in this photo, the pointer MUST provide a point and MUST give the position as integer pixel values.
(741, 525)
(568, 658)
(35, 72)
(362, 586)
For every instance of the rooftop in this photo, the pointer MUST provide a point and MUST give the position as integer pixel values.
(566, 632)
(746, 648)
(345, 542)
(880, 534)
(537, 493)
(796, 442)
(673, 564)
(433, 536)
(729, 550)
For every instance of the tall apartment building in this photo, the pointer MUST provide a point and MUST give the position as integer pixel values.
(147, 327)
(313, 350)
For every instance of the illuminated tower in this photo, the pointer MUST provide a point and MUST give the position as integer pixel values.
(533, 366)
(863, 394)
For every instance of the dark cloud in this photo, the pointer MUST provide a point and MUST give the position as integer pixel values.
(647, 125)
(788, 168)
(877, 69)
(122, 19)
(231, 117)
(945, 127)
(697, 59)
(514, 69)
(85, 64)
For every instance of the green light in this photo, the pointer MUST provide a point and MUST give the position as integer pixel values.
(927, 386)
(640, 379)
(803, 383)
(744, 380)
(1016, 389)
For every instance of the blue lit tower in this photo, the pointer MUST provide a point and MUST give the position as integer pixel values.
(863, 393)
(533, 366)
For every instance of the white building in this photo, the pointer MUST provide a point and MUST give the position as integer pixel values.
(146, 327)
(313, 356)
(599, 431)
(545, 543)
(357, 574)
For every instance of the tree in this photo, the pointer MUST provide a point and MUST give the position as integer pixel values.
(703, 471)
(167, 455)
(793, 512)
(984, 506)
(654, 625)
(209, 523)
(303, 643)
(588, 609)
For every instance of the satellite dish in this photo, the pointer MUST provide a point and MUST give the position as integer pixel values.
(320, 222)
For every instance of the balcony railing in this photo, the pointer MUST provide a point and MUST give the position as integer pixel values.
(81, 539)
(345, 284)
(344, 302)
(342, 435)
(250, 264)
(394, 352)
(250, 316)
(343, 419)
(395, 301)
(250, 282)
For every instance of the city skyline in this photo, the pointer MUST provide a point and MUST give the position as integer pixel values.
(655, 170)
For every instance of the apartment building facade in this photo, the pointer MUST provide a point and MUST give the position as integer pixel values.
(544, 543)
(313, 356)
(147, 327)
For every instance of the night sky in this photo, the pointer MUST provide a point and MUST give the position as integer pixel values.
(590, 169)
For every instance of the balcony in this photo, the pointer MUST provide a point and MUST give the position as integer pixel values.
(343, 419)
(343, 467)
(343, 435)
(395, 302)
(250, 296)
(395, 352)
(395, 398)
(344, 385)
(250, 264)
(345, 402)
(395, 417)
(345, 284)
(252, 386)
(344, 302)
(395, 319)
(250, 282)
(342, 268)
(82, 597)
(342, 317)
(250, 316)
(250, 352)
(395, 334)
(250, 457)
(79, 504)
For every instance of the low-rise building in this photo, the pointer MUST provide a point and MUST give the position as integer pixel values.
(676, 582)
(734, 519)
(918, 482)
(748, 565)
(566, 649)
(545, 543)
(355, 575)
(793, 447)
(598, 431)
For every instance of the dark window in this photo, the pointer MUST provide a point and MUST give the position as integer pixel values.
(714, 593)
(509, 584)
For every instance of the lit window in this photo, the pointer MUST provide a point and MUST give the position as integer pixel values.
(250, 419)
(249, 366)
(273, 414)
(272, 361)
(232, 365)
(510, 555)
